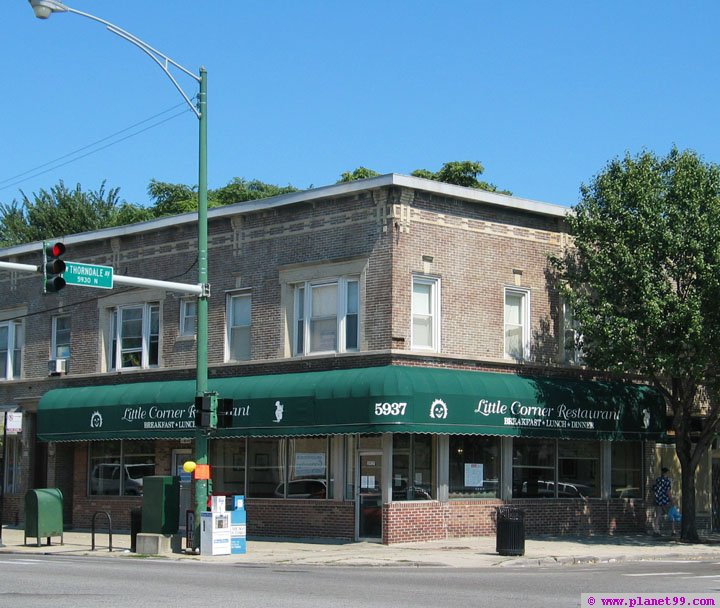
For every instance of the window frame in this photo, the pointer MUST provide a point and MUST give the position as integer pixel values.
(524, 294)
(574, 355)
(188, 322)
(13, 349)
(55, 343)
(115, 345)
(435, 314)
(229, 326)
(303, 315)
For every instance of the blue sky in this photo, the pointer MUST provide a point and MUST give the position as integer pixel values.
(544, 94)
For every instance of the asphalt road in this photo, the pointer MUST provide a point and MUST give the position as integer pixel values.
(80, 582)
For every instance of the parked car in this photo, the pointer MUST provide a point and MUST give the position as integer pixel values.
(303, 488)
(105, 478)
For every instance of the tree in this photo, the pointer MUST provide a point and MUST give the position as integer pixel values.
(359, 173)
(239, 190)
(643, 280)
(61, 211)
(461, 173)
(172, 199)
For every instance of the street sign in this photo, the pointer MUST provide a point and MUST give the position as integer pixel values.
(88, 275)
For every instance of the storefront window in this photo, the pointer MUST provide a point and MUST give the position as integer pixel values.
(266, 467)
(307, 467)
(578, 469)
(117, 468)
(228, 466)
(474, 467)
(533, 468)
(413, 470)
(626, 473)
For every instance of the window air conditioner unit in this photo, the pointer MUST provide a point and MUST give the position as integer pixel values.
(57, 367)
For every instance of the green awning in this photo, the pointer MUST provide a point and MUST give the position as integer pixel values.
(366, 400)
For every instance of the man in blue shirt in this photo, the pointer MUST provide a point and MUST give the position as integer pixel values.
(662, 488)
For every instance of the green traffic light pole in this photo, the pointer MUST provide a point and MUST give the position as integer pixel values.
(43, 9)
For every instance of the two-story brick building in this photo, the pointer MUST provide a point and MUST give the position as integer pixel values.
(398, 359)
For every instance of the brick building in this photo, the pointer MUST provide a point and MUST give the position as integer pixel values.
(397, 356)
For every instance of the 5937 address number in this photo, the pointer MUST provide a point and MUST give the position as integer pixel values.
(390, 409)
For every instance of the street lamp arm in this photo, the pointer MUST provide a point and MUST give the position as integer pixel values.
(43, 9)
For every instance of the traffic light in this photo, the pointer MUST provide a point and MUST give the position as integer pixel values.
(53, 267)
(224, 413)
(206, 411)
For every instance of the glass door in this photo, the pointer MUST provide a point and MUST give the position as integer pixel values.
(369, 498)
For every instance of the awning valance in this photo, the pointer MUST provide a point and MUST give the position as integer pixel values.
(365, 400)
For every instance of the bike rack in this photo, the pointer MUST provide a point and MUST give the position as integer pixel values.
(106, 514)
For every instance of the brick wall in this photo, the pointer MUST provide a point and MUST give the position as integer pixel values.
(300, 518)
(432, 520)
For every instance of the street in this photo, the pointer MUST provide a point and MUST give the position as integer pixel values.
(79, 582)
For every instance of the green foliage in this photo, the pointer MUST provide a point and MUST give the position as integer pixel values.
(58, 212)
(240, 190)
(359, 173)
(643, 279)
(461, 173)
(172, 199)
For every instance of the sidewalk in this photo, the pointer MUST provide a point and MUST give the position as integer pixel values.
(478, 552)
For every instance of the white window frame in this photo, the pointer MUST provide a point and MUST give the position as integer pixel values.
(229, 324)
(13, 349)
(525, 327)
(116, 337)
(54, 338)
(302, 315)
(188, 317)
(435, 312)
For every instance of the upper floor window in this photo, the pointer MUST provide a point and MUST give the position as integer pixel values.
(327, 316)
(426, 313)
(60, 337)
(239, 318)
(11, 342)
(571, 337)
(517, 324)
(188, 317)
(135, 336)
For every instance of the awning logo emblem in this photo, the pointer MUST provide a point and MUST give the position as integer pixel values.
(96, 420)
(438, 409)
(279, 408)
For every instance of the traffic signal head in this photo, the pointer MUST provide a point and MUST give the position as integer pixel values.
(53, 267)
(206, 412)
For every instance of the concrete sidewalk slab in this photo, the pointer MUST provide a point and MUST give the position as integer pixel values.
(477, 552)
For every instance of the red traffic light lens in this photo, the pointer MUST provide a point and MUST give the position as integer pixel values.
(56, 250)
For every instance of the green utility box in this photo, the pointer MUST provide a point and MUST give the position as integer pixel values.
(161, 504)
(44, 514)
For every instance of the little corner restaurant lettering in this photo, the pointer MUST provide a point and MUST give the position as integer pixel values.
(367, 400)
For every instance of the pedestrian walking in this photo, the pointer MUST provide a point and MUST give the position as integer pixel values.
(662, 488)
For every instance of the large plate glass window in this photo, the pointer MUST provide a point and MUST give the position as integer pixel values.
(239, 319)
(533, 468)
(474, 466)
(228, 470)
(11, 341)
(135, 336)
(425, 313)
(578, 469)
(117, 468)
(327, 316)
(626, 469)
(413, 467)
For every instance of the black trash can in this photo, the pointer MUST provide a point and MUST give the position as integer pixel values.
(510, 531)
(135, 527)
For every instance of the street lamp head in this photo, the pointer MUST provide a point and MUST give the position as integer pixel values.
(44, 8)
